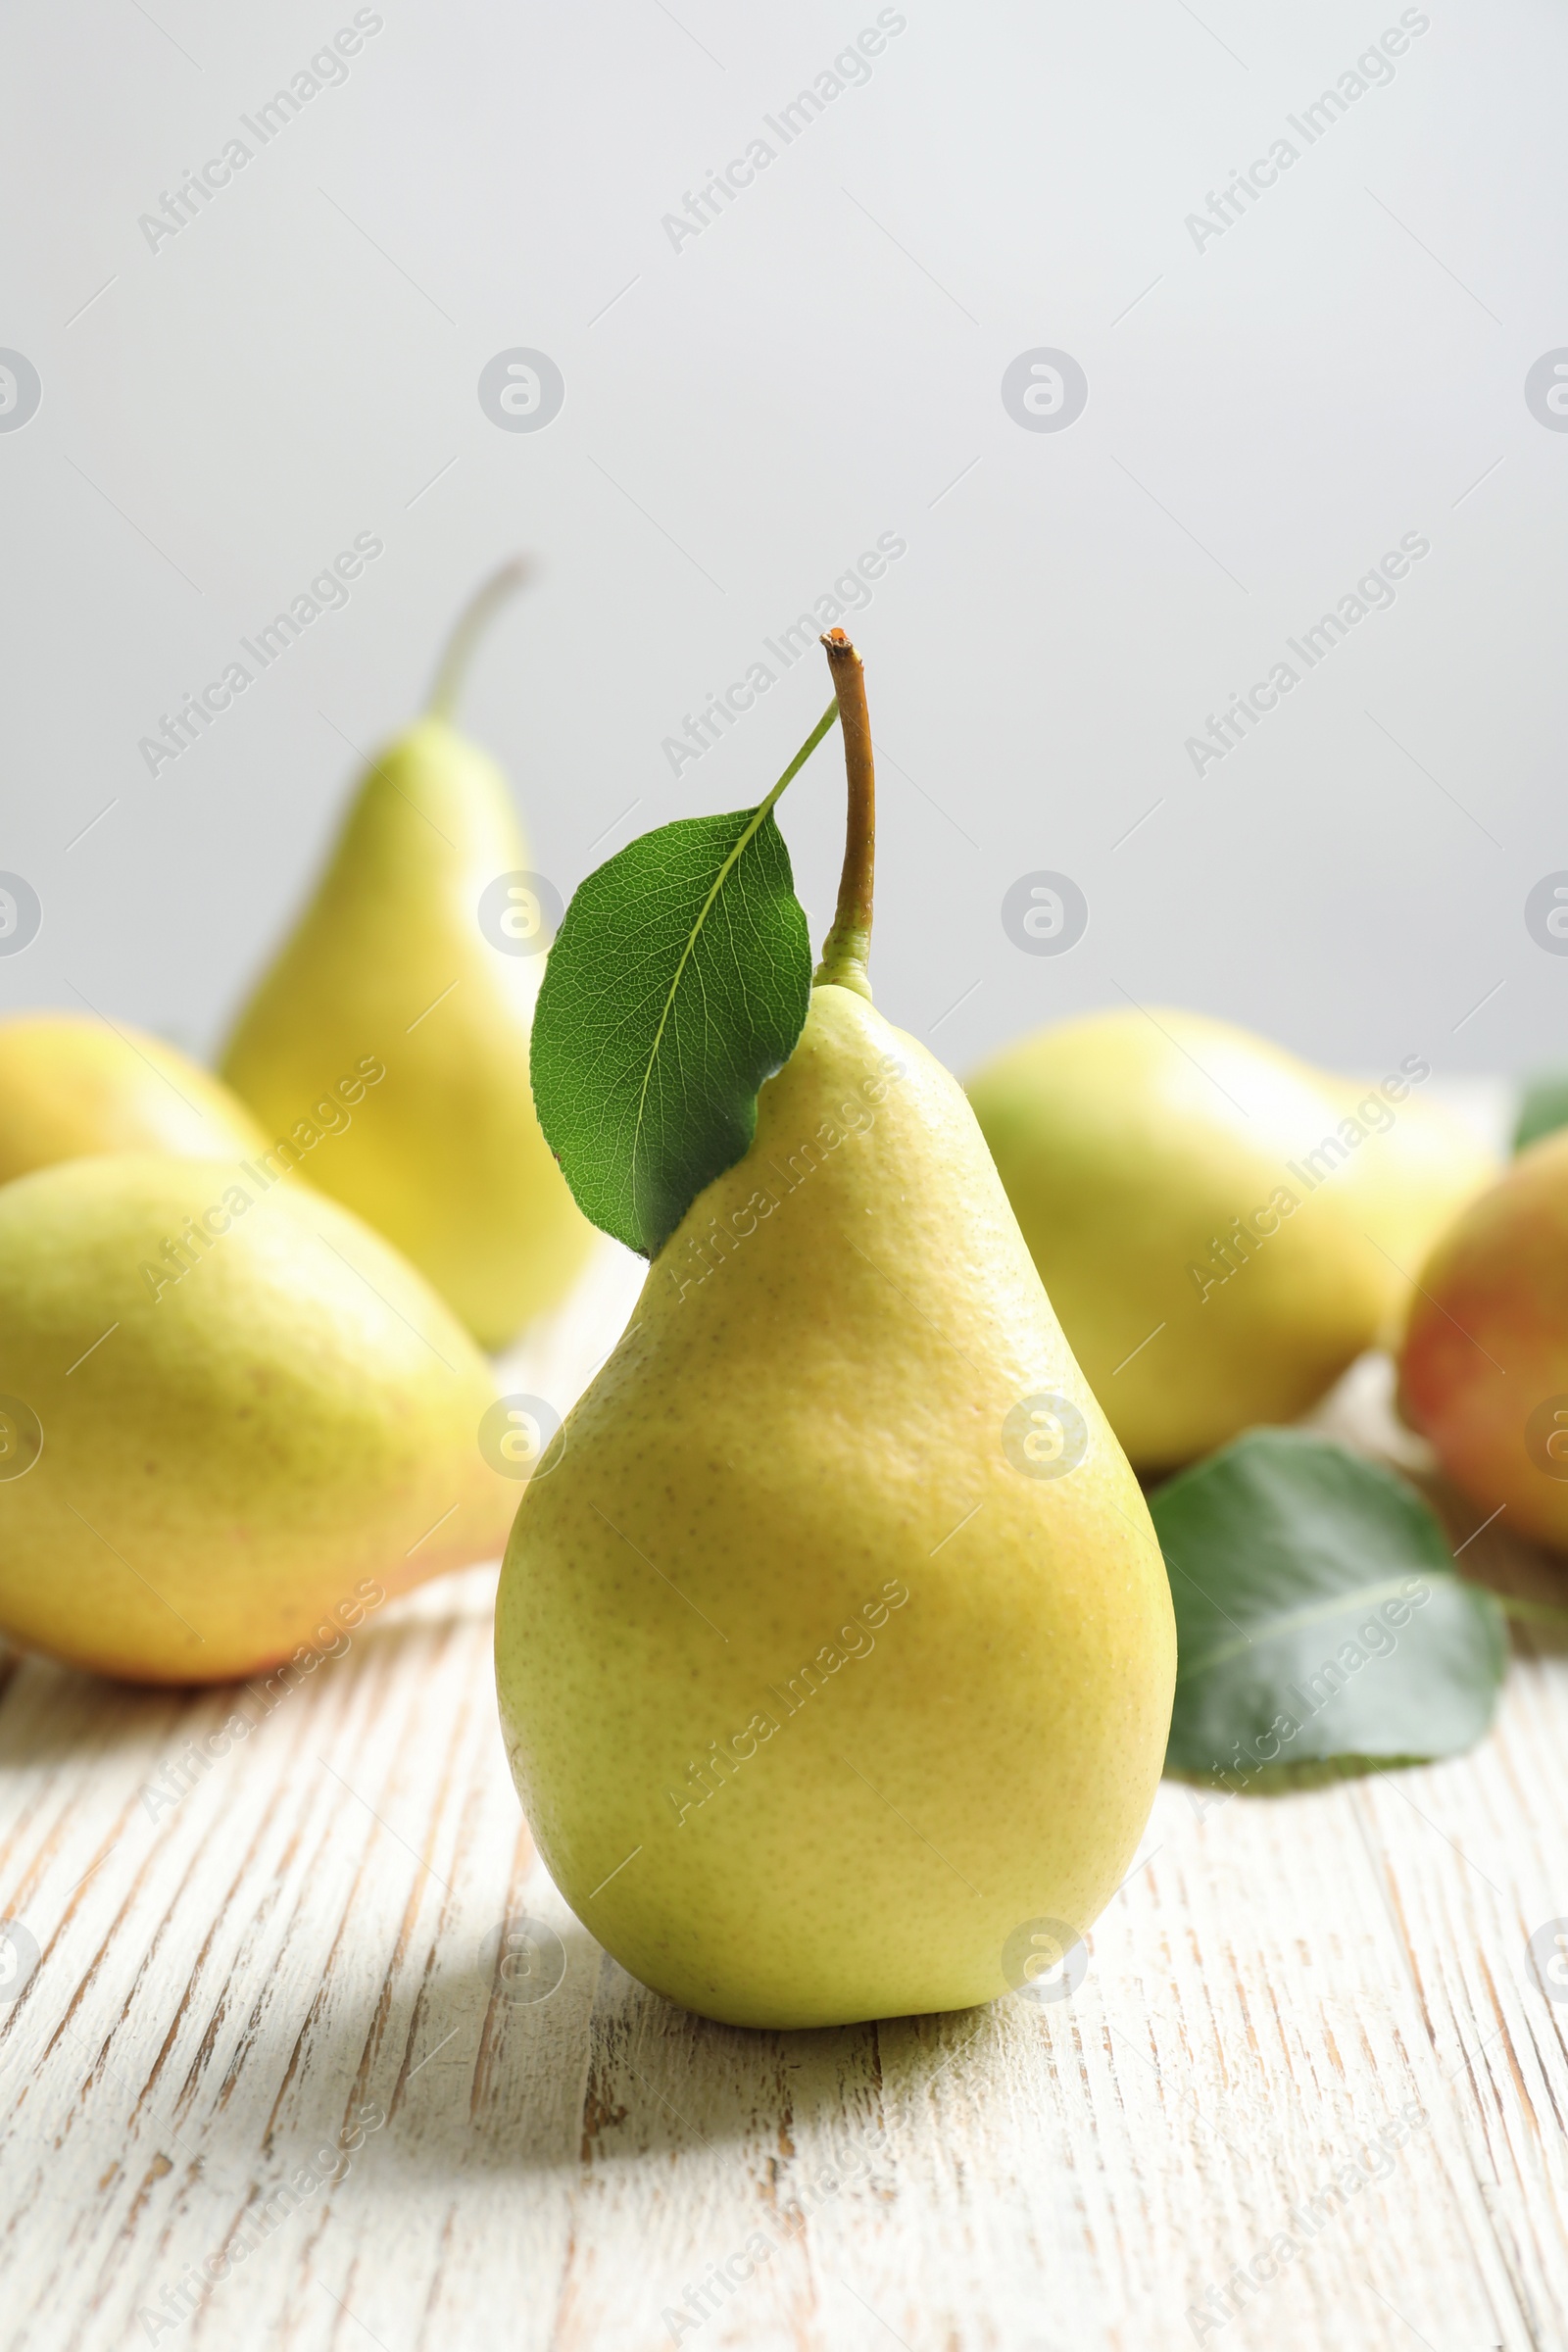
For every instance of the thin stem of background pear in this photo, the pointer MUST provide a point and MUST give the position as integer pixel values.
(847, 948)
(469, 626)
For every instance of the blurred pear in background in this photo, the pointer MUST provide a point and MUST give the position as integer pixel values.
(1483, 1373)
(230, 1379)
(1221, 1228)
(413, 972)
(72, 1086)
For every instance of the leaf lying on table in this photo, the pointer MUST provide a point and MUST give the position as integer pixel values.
(1319, 1613)
(1543, 1108)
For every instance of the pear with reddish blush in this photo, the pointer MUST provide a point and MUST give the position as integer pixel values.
(1483, 1372)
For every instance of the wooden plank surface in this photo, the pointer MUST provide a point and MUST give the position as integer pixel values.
(280, 2015)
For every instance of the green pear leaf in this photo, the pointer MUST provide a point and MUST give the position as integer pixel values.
(1544, 1108)
(678, 983)
(1319, 1613)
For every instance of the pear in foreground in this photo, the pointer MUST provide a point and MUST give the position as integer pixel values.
(1483, 1372)
(816, 1689)
(834, 1645)
(393, 994)
(1221, 1227)
(71, 1086)
(197, 1466)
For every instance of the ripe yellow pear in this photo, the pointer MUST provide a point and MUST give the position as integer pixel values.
(412, 979)
(834, 1646)
(1221, 1227)
(225, 1408)
(70, 1085)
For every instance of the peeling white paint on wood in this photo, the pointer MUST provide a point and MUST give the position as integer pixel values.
(310, 1940)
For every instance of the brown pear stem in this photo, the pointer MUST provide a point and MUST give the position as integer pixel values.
(847, 948)
(469, 626)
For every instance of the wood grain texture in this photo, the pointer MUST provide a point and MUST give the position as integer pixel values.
(305, 1953)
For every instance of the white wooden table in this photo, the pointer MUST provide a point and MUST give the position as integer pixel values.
(305, 1953)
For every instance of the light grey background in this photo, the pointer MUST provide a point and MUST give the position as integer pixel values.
(745, 415)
